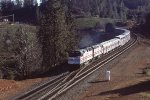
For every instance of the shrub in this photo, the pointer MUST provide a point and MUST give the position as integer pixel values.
(147, 70)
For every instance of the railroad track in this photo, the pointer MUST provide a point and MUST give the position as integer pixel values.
(41, 88)
(52, 89)
(85, 72)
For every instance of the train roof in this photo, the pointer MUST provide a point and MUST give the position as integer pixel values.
(114, 39)
(126, 33)
(97, 45)
(106, 43)
(125, 30)
(85, 49)
(109, 42)
(121, 36)
(121, 28)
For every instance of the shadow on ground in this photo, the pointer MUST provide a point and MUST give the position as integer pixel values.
(57, 70)
(98, 81)
(137, 88)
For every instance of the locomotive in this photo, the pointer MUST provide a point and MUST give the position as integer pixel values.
(83, 56)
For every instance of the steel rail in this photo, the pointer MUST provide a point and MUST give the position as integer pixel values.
(66, 86)
(38, 88)
(63, 85)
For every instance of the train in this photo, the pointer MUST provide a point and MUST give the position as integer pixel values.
(84, 56)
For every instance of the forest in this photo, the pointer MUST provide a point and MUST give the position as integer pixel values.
(34, 49)
(29, 12)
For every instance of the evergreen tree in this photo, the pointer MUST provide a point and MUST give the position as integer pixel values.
(109, 28)
(28, 3)
(147, 23)
(7, 7)
(72, 36)
(19, 4)
(54, 35)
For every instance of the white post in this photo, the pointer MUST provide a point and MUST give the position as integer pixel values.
(108, 75)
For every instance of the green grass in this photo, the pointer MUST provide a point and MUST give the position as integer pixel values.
(8, 31)
(89, 22)
(14, 27)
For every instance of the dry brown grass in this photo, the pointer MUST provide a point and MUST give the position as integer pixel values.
(145, 94)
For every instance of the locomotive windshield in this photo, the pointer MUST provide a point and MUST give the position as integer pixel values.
(75, 54)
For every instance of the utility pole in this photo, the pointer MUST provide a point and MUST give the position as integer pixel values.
(13, 18)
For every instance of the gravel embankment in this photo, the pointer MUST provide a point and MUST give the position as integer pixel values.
(127, 81)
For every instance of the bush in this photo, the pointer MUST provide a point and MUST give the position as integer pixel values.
(147, 70)
(20, 50)
(109, 28)
(1, 74)
(99, 26)
(10, 75)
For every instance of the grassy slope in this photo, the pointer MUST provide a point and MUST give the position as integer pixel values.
(81, 23)
(89, 22)
(10, 31)
(16, 26)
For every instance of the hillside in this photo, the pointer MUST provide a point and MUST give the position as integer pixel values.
(117, 9)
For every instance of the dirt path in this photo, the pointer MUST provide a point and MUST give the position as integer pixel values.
(127, 81)
(8, 88)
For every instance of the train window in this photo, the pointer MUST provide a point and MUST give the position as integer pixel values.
(95, 47)
(89, 49)
(75, 54)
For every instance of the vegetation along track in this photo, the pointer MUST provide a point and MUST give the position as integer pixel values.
(88, 70)
(51, 89)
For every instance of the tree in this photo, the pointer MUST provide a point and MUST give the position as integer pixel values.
(28, 3)
(109, 28)
(73, 39)
(54, 35)
(147, 23)
(0, 14)
(7, 7)
(99, 26)
(21, 50)
(19, 4)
